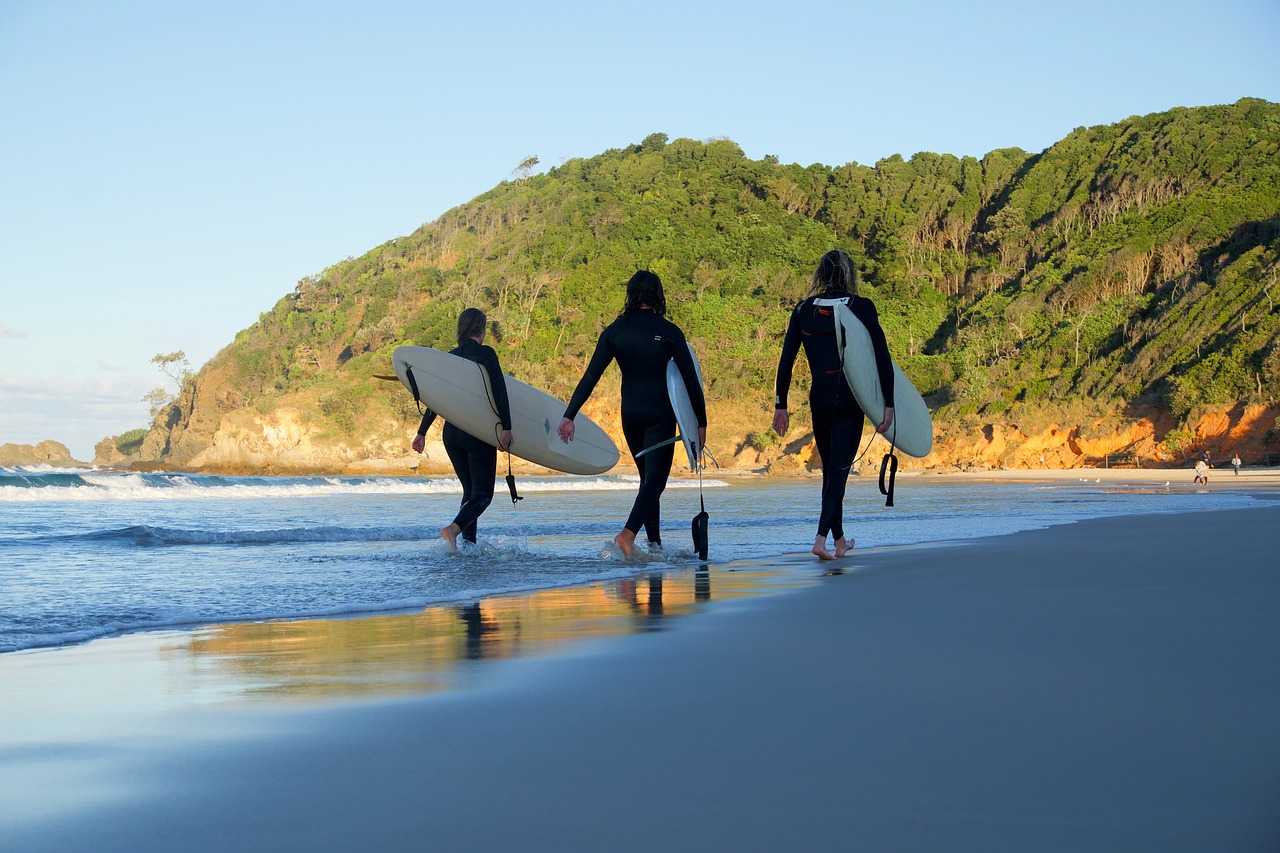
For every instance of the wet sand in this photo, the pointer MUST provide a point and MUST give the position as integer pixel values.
(1107, 685)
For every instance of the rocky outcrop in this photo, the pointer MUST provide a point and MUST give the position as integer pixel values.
(1151, 440)
(291, 440)
(52, 453)
(284, 441)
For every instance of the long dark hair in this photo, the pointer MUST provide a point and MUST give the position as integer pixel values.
(645, 288)
(471, 324)
(835, 272)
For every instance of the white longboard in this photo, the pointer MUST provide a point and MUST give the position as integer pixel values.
(686, 419)
(457, 389)
(912, 429)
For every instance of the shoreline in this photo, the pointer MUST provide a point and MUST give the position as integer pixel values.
(1120, 482)
(1249, 477)
(1106, 684)
(1255, 483)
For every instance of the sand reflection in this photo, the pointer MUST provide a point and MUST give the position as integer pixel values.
(439, 648)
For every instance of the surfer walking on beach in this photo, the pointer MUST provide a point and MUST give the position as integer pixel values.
(474, 461)
(642, 340)
(837, 417)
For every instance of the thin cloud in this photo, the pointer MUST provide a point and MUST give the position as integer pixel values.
(70, 392)
(6, 332)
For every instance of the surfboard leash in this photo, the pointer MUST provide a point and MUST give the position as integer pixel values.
(511, 478)
(701, 520)
(413, 386)
(890, 462)
(497, 433)
(511, 481)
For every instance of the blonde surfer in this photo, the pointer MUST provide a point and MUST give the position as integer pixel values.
(837, 417)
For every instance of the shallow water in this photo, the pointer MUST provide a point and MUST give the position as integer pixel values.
(85, 555)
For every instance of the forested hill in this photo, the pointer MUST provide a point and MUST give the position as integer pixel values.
(1129, 267)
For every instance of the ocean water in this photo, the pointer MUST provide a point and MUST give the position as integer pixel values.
(89, 554)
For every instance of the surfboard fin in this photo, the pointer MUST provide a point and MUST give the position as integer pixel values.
(659, 444)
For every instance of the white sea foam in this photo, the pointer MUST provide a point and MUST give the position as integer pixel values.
(154, 487)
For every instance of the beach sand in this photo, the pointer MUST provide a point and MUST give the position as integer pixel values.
(1106, 685)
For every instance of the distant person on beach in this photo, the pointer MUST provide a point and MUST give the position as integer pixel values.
(642, 341)
(1202, 472)
(837, 417)
(1235, 463)
(474, 461)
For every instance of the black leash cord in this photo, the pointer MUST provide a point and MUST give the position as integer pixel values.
(497, 432)
(890, 461)
(413, 386)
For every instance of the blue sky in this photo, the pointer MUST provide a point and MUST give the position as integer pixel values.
(169, 170)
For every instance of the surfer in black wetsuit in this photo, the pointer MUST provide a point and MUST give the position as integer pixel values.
(837, 417)
(474, 461)
(642, 341)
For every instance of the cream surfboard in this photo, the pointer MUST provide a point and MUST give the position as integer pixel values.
(458, 390)
(912, 429)
(686, 419)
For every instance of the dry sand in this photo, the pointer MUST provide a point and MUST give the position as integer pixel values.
(1107, 685)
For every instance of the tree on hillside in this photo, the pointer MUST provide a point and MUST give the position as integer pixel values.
(525, 169)
(175, 366)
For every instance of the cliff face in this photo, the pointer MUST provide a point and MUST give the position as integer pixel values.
(287, 441)
(53, 453)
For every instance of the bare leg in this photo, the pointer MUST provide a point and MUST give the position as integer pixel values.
(820, 548)
(626, 542)
(843, 546)
(450, 535)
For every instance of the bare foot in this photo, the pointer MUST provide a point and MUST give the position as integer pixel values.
(843, 546)
(450, 535)
(626, 542)
(820, 548)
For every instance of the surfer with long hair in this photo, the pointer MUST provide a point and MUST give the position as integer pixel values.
(474, 461)
(837, 417)
(642, 340)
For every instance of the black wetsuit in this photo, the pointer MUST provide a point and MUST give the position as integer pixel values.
(474, 461)
(837, 417)
(642, 343)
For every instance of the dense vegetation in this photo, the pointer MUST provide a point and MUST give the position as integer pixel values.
(1133, 264)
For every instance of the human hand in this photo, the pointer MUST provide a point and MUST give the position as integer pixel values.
(566, 430)
(505, 440)
(419, 442)
(887, 421)
(781, 421)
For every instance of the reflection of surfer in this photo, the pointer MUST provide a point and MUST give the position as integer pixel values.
(837, 417)
(642, 341)
(476, 627)
(474, 461)
(652, 608)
